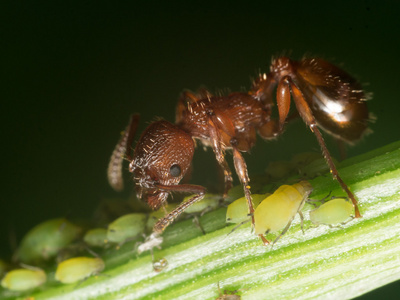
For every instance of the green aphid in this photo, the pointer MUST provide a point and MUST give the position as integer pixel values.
(96, 237)
(303, 159)
(316, 168)
(45, 240)
(208, 203)
(78, 268)
(333, 212)
(279, 169)
(126, 228)
(235, 193)
(238, 210)
(24, 279)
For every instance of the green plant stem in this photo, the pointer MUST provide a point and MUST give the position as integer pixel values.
(326, 263)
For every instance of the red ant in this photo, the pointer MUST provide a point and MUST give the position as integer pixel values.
(325, 96)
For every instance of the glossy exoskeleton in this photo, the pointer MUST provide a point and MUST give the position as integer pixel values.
(325, 96)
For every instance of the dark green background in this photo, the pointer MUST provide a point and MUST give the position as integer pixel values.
(72, 74)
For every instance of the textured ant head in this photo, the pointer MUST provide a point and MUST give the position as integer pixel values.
(161, 158)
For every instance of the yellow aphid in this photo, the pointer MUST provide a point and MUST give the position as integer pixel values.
(238, 210)
(78, 268)
(24, 279)
(126, 227)
(335, 211)
(209, 202)
(278, 210)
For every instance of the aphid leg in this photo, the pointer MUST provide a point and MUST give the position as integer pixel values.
(283, 99)
(301, 221)
(305, 196)
(283, 231)
(183, 188)
(196, 221)
(122, 150)
(238, 225)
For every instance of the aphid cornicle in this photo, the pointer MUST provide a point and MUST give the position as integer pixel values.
(325, 97)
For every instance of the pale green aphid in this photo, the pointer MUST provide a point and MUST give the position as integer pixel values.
(208, 203)
(126, 227)
(238, 210)
(316, 168)
(279, 169)
(278, 210)
(45, 240)
(24, 279)
(335, 211)
(96, 237)
(78, 268)
(303, 159)
(159, 214)
(235, 193)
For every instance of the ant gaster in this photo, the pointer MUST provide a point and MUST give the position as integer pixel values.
(325, 96)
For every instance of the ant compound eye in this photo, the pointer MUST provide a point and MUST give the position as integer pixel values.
(175, 170)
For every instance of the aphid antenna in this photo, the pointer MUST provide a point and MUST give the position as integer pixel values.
(323, 200)
(29, 267)
(91, 251)
(238, 225)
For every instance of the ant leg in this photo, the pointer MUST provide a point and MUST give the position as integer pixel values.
(122, 150)
(263, 88)
(241, 171)
(219, 153)
(200, 191)
(342, 149)
(306, 114)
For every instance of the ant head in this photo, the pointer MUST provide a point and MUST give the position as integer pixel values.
(161, 158)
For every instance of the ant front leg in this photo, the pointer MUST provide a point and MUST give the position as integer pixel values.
(283, 98)
(200, 191)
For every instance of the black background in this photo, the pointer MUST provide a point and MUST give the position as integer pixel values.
(72, 75)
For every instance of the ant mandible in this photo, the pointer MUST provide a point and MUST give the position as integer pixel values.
(325, 96)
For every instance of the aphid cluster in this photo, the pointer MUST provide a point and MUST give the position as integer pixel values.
(325, 97)
(275, 212)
